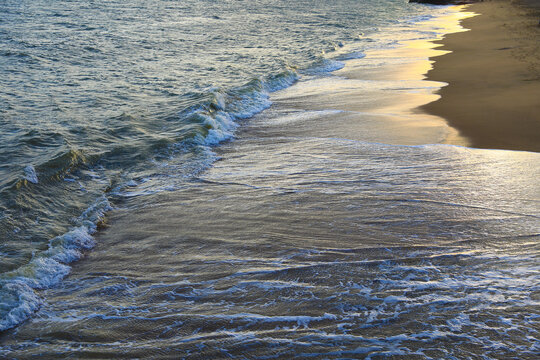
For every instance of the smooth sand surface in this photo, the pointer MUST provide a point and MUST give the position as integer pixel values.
(372, 99)
(493, 71)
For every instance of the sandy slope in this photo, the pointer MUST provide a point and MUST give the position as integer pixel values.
(493, 71)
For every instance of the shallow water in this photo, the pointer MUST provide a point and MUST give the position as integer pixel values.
(326, 228)
(311, 247)
(94, 94)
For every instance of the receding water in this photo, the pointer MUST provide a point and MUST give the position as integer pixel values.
(323, 229)
(94, 93)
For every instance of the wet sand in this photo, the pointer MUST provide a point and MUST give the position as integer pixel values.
(493, 71)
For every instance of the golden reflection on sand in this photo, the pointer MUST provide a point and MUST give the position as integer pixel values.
(379, 96)
(412, 67)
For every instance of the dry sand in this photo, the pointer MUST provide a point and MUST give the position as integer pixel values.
(493, 71)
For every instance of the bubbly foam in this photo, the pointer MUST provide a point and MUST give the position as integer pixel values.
(30, 174)
(47, 268)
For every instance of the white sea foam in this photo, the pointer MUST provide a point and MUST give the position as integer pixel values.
(301, 116)
(221, 127)
(30, 174)
(18, 301)
(239, 103)
(47, 268)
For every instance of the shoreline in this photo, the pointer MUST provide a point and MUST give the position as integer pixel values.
(386, 115)
(312, 232)
(493, 76)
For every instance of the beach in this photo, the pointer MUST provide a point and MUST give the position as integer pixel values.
(255, 180)
(493, 72)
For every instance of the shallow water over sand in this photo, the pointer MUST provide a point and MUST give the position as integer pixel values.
(312, 247)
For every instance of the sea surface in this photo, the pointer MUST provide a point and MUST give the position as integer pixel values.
(250, 179)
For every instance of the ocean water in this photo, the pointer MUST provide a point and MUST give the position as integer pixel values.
(249, 179)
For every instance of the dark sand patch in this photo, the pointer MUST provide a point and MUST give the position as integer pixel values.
(493, 71)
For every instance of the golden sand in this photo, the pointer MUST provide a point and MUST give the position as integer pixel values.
(493, 71)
